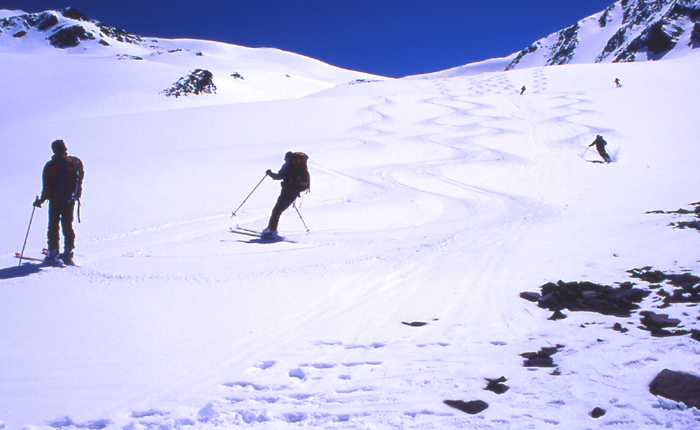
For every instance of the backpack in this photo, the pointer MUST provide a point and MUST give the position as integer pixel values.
(299, 177)
(69, 181)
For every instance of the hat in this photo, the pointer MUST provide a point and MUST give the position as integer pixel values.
(59, 147)
(288, 155)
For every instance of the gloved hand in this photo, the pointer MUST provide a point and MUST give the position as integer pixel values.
(38, 202)
(268, 172)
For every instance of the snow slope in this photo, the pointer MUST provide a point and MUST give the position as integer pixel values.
(434, 200)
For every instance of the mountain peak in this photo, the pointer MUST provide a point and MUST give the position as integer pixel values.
(64, 28)
(626, 31)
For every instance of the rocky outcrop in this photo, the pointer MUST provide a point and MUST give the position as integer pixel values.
(636, 29)
(196, 83)
(677, 386)
(65, 28)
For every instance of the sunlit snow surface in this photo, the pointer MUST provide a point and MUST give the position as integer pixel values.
(434, 199)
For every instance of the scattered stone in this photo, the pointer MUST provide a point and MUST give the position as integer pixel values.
(496, 385)
(530, 296)
(542, 358)
(473, 407)
(19, 34)
(618, 327)
(695, 334)
(589, 297)
(677, 386)
(557, 315)
(597, 412)
(415, 323)
(694, 224)
(656, 323)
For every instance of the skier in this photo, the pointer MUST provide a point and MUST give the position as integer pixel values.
(617, 82)
(62, 179)
(522, 90)
(600, 143)
(295, 179)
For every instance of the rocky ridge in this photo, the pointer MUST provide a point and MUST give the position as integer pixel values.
(626, 31)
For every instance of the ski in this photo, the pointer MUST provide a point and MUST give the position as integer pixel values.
(253, 233)
(18, 255)
(41, 260)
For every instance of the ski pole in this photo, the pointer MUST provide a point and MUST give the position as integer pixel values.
(584, 152)
(233, 214)
(27, 235)
(302, 218)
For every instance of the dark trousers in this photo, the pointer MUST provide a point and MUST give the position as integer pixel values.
(284, 201)
(61, 214)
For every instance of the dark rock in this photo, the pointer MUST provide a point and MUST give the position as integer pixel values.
(618, 327)
(557, 315)
(597, 412)
(496, 385)
(530, 296)
(472, 407)
(198, 82)
(43, 21)
(590, 297)
(677, 386)
(415, 323)
(542, 358)
(118, 34)
(645, 274)
(70, 37)
(563, 51)
(695, 36)
(656, 323)
(73, 13)
(20, 34)
(695, 335)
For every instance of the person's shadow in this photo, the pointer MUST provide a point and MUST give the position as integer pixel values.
(25, 269)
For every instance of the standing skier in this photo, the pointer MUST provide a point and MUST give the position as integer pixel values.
(600, 143)
(617, 82)
(295, 178)
(522, 90)
(62, 185)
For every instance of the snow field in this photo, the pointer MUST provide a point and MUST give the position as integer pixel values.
(433, 200)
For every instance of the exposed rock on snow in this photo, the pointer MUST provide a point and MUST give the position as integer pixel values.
(587, 296)
(541, 358)
(67, 28)
(497, 385)
(626, 31)
(70, 37)
(472, 407)
(677, 386)
(597, 413)
(684, 224)
(198, 82)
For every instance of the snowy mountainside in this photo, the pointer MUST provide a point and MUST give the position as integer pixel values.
(626, 31)
(54, 48)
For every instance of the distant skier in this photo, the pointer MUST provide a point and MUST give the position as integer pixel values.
(617, 82)
(62, 180)
(600, 143)
(522, 90)
(294, 175)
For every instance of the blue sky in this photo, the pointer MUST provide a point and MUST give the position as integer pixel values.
(386, 37)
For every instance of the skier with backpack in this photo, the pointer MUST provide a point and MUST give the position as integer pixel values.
(600, 143)
(62, 180)
(295, 178)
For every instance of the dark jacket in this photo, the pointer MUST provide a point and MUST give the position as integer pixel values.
(62, 179)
